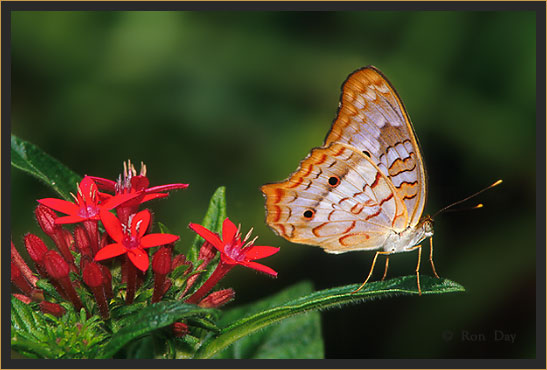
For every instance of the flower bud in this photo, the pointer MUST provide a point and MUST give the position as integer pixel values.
(46, 219)
(180, 329)
(93, 275)
(206, 253)
(52, 308)
(36, 248)
(19, 280)
(20, 262)
(218, 298)
(56, 266)
(82, 241)
(161, 262)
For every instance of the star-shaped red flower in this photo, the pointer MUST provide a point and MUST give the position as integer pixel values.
(232, 249)
(132, 239)
(87, 205)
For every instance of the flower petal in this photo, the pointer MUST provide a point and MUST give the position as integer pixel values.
(208, 235)
(60, 205)
(112, 225)
(69, 220)
(139, 258)
(148, 197)
(166, 187)
(140, 223)
(116, 200)
(153, 240)
(104, 183)
(259, 267)
(109, 251)
(88, 187)
(229, 231)
(257, 251)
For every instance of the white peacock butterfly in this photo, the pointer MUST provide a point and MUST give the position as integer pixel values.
(365, 188)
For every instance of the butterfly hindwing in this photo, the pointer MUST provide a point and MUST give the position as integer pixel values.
(337, 199)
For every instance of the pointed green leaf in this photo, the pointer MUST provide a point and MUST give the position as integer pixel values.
(149, 319)
(31, 159)
(324, 299)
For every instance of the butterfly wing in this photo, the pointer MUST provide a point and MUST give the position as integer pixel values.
(337, 199)
(372, 118)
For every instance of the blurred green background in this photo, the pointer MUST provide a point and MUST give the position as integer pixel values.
(239, 98)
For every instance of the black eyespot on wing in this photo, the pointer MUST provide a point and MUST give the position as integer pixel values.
(366, 153)
(309, 214)
(334, 181)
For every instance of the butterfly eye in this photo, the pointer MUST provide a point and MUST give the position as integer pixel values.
(334, 181)
(366, 153)
(309, 214)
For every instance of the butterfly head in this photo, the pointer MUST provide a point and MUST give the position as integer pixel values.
(426, 224)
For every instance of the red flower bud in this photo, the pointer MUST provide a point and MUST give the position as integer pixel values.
(93, 275)
(19, 280)
(161, 262)
(82, 241)
(206, 253)
(218, 298)
(36, 248)
(20, 262)
(52, 308)
(56, 266)
(46, 219)
(180, 329)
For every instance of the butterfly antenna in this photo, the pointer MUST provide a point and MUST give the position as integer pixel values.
(480, 205)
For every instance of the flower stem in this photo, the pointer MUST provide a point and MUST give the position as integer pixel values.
(221, 270)
(131, 281)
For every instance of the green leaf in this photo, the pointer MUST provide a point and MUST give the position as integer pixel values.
(296, 337)
(148, 319)
(405, 285)
(39, 335)
(216, 213)
(31, 159)
(22, 316)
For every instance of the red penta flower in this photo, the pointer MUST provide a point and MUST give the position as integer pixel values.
(87, 205)
(233, 251)
(131, 238)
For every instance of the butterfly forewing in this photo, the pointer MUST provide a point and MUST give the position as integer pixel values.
(337, 199)
(373, 119)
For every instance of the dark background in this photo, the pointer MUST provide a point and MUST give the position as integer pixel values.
(239, 98)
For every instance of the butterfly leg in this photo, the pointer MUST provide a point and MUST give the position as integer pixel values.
(385, 268)
(431, 257)
(371, 269)
(419, 248)
(418, 269)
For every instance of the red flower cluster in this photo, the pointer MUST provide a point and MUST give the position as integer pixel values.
(127, 238)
